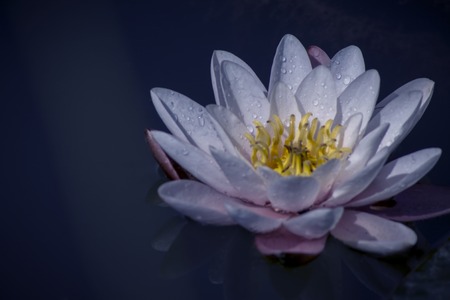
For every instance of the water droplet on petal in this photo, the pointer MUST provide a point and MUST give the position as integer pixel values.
(316, 102)
(338, 76)
(250, 128)
(201, 121)
(283, 71)
(283, 59)
(347, 80)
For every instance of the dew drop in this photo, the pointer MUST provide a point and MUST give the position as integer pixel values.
(346, 80)
(290, 71)
(322, 107)
(250, 128)
(290, 86)
(338, 76)
(201, 121)
(316, 102)
(283, 71)
(283, 59)
(337, 62)
(184, 152)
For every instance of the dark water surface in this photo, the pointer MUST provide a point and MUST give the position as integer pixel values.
(80, 217)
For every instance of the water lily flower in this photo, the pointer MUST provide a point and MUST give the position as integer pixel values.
(299, 161)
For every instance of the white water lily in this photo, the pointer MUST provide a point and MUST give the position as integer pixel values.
(303, 159)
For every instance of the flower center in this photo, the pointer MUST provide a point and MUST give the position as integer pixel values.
(295, 150)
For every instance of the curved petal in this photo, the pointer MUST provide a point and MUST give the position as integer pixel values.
(197, 201)
(242, 176)
(233, 126)
(189, 121)
(163, 160)
(216, 76)
(423, 85)
(283, 102)
(400, 114)
(293, 193)
(419, 202)
(243, 95)
(325, 175)
(314, 224)
(397, 176)
(318, 57)
(373, 234)
(317, 94)
(364, 151)
(347, 190)
(290, 64)
(360, 96)
(255, 219)
(346, 66)
(201, 165)
(350, 133)
(282, 241)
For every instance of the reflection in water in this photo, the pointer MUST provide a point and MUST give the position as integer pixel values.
(232, 260)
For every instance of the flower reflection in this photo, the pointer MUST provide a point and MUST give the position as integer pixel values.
(299, 161)
(231, 260)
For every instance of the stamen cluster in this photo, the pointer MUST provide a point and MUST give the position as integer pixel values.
(295, 150)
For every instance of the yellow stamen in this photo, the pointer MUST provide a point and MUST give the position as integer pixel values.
(299, 151)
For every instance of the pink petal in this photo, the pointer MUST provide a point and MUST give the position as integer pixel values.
(197, 201)
(171, 170)
(318, 57)
(373, 234)
(419, 202)
(282, 241)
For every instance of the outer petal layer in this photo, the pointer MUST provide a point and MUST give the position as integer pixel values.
(282, 241)
(197, 201)
(373, 234)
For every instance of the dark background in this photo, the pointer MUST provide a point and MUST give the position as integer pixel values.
(75, 221)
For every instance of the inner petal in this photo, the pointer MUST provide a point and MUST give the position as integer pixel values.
(295, 149)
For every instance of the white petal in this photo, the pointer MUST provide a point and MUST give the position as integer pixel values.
(360, 96)
(346, 66)
(244, 96)
(197, 201)
(283, 102)
(317, 94)
(345, 191)
(293, 193)
(233, 126)
(314, 224)
(424, 85)
(216, 76)
(190, 121)
(326, 174)
(290, 65)
(364, 151)
(398, 175)
(400, 113)
(350, 132)
(268, 174)
(255, 219)
(200, 164)
(242, 176)
(373, 234)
